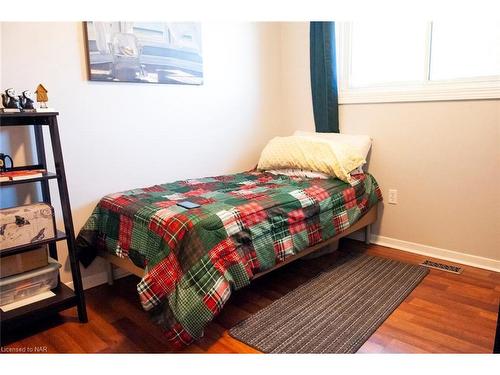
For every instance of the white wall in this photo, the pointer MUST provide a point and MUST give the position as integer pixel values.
(117, 136)
(1, 86)
(12, 143)
(443, 157)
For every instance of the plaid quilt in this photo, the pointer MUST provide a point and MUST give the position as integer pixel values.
(246, 223)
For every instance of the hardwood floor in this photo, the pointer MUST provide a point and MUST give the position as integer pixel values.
(446, 313)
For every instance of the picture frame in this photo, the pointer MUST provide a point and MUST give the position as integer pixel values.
(144, 52)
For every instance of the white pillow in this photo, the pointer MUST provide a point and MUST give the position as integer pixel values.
(313, 154)
(362, 142)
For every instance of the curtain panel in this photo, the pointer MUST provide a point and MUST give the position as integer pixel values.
(324, 77)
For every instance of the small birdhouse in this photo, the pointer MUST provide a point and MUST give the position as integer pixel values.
(41, 95)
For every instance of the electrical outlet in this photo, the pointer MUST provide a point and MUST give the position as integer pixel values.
(393, 196)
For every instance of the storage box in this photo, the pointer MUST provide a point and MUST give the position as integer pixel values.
(26, 224)
(24, 262)
(24, 285)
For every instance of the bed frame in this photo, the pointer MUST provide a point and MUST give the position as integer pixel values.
(364, 222)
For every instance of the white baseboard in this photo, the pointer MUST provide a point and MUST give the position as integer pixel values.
(100, 278)
(431, 251)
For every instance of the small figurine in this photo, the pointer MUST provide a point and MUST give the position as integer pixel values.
(3, 162)
(27, 100)
(10, 100)
(41, 96)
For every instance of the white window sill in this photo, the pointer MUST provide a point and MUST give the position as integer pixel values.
(431, 91)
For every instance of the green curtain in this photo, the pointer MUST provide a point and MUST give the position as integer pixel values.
(324, 77)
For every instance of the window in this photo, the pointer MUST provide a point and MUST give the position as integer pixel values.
(459, 53)
(418, 61)
(151, 33)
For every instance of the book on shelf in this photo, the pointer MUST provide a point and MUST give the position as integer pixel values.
(45, 110)
(21, 174)
(16, 110)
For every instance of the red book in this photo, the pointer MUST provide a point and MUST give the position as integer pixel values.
(21, 175)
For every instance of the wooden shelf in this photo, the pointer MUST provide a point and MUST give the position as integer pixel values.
(60, 235)
(26, 167)
(26, 118)
(27, 114)
(64, 299)
(46, 176)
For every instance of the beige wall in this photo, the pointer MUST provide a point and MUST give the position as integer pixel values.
(442, 157)
(125, 135)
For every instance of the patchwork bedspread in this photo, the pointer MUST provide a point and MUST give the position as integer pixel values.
(194, 258)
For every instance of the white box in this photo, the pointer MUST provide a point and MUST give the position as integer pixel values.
(26, 224)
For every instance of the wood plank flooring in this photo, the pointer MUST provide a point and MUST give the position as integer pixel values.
(446, 313)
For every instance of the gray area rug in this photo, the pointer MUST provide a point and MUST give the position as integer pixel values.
(335, 312)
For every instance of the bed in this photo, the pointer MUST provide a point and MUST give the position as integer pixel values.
(248, 224)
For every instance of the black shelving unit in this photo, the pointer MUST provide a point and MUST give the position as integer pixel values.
(64, 297)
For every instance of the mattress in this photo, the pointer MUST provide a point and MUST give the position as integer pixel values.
(246, 224)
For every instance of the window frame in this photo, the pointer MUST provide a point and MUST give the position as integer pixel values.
(154, 41)
(487, 87)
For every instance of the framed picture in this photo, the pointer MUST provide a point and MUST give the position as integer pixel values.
(150, 52)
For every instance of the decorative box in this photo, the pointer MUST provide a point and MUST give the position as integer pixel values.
(28, 284)
(26, 224)
(24, 262)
